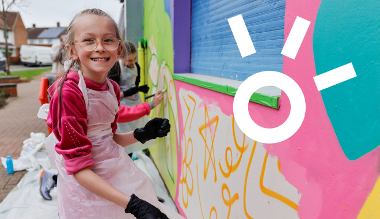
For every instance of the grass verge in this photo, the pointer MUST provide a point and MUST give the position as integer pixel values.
(29, 74)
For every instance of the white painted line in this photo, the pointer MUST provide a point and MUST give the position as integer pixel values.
(241, 35)
(335, 76)
(295, 38)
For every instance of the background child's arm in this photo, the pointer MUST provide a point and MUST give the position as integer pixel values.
(91, 181)
(128, 114)
(125, 139)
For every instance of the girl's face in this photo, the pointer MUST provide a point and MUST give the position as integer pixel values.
(130, 60)
(95, 64)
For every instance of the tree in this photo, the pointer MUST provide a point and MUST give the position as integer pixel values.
(5, 8)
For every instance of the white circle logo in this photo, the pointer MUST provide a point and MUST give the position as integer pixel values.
(297, 110)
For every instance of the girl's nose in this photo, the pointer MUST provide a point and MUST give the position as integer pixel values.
(99, 47)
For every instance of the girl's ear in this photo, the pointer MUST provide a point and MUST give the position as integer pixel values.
(119, 50)
(71, 52)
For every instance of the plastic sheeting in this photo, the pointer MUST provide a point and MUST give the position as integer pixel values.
(32, 156)
(25, 200)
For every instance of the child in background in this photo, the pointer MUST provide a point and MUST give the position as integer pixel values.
(96, 178)
(126, 72)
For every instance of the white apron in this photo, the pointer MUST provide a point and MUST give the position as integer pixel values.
(127, 81)
(111, 163)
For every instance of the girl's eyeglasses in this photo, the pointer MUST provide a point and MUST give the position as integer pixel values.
(92, 44)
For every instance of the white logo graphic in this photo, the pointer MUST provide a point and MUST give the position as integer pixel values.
(284, 82)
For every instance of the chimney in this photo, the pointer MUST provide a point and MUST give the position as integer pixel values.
(58, 24)
(34, 25)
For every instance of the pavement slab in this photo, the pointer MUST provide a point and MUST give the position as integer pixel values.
(17, 120)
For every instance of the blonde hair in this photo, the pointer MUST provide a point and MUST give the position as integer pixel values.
(129, 48)
(69, 40)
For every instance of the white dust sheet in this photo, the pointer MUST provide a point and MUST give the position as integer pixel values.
(25, 201)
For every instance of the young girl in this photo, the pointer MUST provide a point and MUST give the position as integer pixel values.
(96, 178)
(126, 72)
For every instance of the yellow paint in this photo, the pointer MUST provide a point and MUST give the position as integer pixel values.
(207, 149)
(231, 168)
(185, 167)
(213, 209)
(272, 193)
(371, 208)
(199, 195)
(141, 61)
(246, 179)
(230, 200)
(279, 165)
(195, 103)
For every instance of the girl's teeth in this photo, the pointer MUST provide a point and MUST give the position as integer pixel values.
(99, 59)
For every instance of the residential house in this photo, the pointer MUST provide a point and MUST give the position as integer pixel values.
(33, 34)
(45, 36)
(17, 34)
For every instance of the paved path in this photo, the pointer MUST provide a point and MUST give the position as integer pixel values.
(17, 120)
(23, 68)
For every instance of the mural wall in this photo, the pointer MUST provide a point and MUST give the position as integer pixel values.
(213, 170)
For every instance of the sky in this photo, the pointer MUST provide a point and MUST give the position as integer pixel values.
(46, 13)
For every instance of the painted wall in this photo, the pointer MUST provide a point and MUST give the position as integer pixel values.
(213, 170)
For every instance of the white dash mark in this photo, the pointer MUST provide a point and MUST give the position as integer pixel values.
(241, 35)
(295, 38)
(335, 76)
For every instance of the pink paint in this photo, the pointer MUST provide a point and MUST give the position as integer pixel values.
(333, 186)
(312, 160)
(179, 154)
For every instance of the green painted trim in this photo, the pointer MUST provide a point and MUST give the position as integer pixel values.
(270, 101)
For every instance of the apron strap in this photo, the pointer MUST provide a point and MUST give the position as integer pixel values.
(110, 87)
(83, 88)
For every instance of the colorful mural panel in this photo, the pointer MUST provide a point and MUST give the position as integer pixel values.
(157, 28)
(213, 170)
(224, 172)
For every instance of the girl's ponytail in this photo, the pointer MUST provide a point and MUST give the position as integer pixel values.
(63, 78)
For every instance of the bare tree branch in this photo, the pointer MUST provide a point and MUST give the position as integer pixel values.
(6, 7)
(10, 4)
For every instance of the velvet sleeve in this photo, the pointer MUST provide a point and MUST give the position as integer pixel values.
(137, 82)
(71, 133)
(128, 114)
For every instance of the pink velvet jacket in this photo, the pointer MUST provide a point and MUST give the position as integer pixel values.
(74, 114)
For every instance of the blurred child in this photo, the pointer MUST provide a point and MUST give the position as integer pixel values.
(126, 72)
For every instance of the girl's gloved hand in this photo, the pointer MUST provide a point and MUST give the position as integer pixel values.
(143, 210)
(130, 91)
(157, 127)
(144, 89)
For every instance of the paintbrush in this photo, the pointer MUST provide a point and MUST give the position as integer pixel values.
(163, 91)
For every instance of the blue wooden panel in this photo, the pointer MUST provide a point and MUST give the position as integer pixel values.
(213, 47)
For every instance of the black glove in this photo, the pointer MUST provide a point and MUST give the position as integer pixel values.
(130, 91)
(144, 89)
(143, 210)
(156, 127)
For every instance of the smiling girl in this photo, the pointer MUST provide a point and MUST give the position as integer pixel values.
(96, 178)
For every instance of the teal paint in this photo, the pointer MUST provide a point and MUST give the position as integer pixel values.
(349, 31)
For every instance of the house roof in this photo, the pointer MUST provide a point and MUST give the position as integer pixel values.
(11, 19)
(54, 32)
(34, 32)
